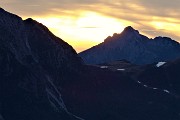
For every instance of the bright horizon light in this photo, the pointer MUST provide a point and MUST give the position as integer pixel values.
(84, 31)
(86, 23)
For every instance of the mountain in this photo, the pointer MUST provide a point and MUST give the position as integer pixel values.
(32, 63)
(120, 91)
(43, 78)
(134, 47)
(162, 76)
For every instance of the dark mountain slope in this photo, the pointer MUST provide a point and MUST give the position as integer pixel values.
(53, 54)
(164, 77)
(103, 94)
(133, 47)
(28, 52)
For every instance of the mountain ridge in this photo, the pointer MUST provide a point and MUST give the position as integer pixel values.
(33, 62)
(134, 47)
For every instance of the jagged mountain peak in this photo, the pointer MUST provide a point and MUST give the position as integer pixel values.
(129, 30)
(29, 20)
(33, 22)
(134, 47)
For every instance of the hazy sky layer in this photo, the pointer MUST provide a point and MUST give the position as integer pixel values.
(84, 23)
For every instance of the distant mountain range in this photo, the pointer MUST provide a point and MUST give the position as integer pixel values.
(43, 78)
(134, 47)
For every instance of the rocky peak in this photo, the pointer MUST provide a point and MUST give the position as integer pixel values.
(130, 30)
(134, 47)
(128, 34)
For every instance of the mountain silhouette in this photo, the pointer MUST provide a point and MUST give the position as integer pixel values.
(30, 57)
(43, 78)
(134, 47)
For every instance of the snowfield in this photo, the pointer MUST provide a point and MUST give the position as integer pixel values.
(160, 64)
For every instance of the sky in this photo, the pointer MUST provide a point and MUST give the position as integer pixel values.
(85, 23)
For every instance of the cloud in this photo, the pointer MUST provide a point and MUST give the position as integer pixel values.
(39, 7)
(160, 18)
(90, 27)
(143, 14)
(160, 4)
(164, 8)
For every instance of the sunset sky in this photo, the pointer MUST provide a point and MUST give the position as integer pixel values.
(85, 23)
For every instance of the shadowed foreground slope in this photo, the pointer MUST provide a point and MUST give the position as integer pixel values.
(29, 53)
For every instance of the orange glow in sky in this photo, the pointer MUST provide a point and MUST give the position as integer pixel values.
(85, 23)
(85, 31)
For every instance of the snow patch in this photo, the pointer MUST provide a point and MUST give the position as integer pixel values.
(160, 64)
(104, 67)
(54, 96)
(121, 69)
(166, 91)
(138, 81)
(145, 86)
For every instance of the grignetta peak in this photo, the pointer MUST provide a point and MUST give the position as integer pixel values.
(129, 29)
(134, 47)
